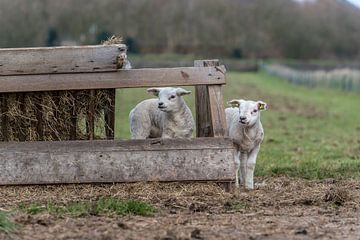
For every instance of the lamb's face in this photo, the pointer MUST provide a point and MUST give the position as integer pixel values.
(122, 56)
(249, 111)
(170, 99)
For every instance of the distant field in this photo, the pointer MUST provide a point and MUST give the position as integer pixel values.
(309, 133)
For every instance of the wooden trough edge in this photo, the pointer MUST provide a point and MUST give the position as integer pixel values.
(67, 59)
(163, 160)
(135, 78)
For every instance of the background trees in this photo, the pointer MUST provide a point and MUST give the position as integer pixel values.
(235, 28)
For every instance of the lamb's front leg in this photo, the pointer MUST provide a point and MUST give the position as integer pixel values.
(250, 167)
(237, 168)
(243, 160)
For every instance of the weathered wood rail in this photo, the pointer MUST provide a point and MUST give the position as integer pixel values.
(38, 71)
(116, 161)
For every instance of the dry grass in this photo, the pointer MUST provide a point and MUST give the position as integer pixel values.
(271, 192)
(281, 208)
(55, 112)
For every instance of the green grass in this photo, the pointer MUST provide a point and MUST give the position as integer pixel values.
(103, 206)
(309, 133)
(5, 224)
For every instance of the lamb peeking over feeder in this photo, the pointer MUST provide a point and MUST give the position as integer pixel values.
(122, 61)
(165, 117)
(245, 128)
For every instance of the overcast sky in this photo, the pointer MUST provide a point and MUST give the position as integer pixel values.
(355, 2)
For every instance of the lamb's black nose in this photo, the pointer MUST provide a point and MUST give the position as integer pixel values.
(161, 104)
(242, 118)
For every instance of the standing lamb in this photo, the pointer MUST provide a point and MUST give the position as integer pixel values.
(244, 126)
(165, 117)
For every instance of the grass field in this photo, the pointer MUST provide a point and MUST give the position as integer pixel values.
(309, 133)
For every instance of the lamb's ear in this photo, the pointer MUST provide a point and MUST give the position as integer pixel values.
(262, 105)
(234, 102)
(154, 91)
(182, 92)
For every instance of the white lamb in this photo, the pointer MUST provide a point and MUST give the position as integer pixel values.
(123, 61)
(244, 126)
(165, 117)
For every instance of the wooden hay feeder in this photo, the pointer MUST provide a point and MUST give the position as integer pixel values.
(31, 125)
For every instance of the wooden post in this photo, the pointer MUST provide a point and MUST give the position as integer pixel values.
(39, 115)
(202, 103)
(217, 111)
(210, 111)
(91, 113)
(73, 127)
(21, 134)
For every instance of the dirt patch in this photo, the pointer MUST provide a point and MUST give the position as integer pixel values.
(279, 208)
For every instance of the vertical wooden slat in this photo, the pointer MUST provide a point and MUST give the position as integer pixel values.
(217, 111)
(73, 127)
(91, 113)
(109, 115)
(21, 134)
(39, 115)
(4, 117)
(202, 103)
(56, 99)
(210, 112)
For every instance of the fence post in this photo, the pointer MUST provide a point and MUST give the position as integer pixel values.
(210, 111)
(202, 103)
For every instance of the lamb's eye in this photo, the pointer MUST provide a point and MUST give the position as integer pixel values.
(255, 111)
(172, 97)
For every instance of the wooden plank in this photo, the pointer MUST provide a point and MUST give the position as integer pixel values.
(156, 144)
(39, 116)
(91, 116)
(98, 58)
(23, 123)
(202, 104)
(73, 127)
(186, 76)
(209, 159)
(217, 111)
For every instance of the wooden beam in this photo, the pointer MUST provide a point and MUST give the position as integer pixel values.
(217, 111)
(186, 76)
(98, 58)
(202, 103)
(21, 131)
(91, 116)
(73, 127)
(202, 159)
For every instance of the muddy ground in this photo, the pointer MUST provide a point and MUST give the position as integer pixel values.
(279, 208)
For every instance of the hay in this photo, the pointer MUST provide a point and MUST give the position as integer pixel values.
(54, 116)
(337, 195)
(58, 115)
(113, 40)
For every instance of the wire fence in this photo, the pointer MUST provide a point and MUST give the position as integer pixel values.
(344, 79)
